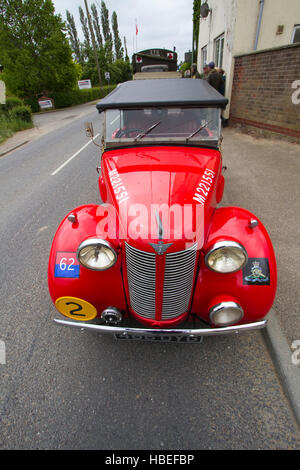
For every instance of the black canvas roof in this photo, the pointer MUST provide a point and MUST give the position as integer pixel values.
(162, 92)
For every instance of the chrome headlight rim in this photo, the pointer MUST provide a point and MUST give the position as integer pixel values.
(93, 242)
(226, 244)
(223, 306)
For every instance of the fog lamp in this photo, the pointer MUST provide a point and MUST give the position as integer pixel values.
(226, 257)
(111, 315)
(226, 313)
(96, 254)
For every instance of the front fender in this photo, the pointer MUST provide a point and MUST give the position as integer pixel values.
(255, 295)
(67, 278)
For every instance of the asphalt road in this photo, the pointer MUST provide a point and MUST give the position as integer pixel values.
(70, 389)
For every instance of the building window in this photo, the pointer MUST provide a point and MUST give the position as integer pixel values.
(203, 55)
(296, 34)
(218, 48)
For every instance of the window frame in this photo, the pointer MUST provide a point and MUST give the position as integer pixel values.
(204, 54)
(113, 115)
(296, 27)
(219, 51)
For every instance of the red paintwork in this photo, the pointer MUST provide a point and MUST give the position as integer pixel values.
(100, 288)
(165, 175)
(255, 300)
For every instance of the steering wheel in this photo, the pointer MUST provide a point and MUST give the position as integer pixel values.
(126, 132)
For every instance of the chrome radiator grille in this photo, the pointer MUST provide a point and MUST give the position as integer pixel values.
(141, 281)
(178, 282)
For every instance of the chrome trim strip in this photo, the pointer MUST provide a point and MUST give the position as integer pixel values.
(165, 331)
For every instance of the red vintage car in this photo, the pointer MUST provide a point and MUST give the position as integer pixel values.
(157, 259)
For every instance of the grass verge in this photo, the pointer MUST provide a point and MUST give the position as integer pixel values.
(10, 125)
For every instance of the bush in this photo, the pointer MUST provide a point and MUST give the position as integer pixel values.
(21, 113)
(64, 99)
(11, 103)
(32, 101)
(120, 71)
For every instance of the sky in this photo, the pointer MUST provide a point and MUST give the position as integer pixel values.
(161, 23)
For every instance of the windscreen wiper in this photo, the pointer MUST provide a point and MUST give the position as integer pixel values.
(198, 130)
(140, 136)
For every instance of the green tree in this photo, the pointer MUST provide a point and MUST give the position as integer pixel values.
(73, 36)
(96, 25)
(196, 26)
(86, 33)
(108, 41)
(34, 49)
(119, 51)
(126, 52)
(120, 71)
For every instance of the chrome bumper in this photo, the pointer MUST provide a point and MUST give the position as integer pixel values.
(146, 332)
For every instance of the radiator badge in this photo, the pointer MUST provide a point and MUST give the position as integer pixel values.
(160, 247)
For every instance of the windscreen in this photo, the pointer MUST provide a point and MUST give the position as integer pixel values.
(162, 125)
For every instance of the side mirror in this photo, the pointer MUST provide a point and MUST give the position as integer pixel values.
(89, 130)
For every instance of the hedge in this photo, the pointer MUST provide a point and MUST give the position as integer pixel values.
(21, 113)
(11, 103)
(63, 99)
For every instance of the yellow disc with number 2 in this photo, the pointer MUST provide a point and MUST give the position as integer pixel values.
(75, 308)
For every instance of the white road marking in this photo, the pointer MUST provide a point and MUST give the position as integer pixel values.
(73, 156)
(42, 228)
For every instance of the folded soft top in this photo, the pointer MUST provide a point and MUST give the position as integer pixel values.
(163, 92)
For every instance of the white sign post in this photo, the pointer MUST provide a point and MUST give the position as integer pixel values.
(2, 92)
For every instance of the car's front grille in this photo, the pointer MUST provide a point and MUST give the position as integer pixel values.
(141, 274)
(177, 283)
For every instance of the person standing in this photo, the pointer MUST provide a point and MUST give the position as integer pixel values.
(222, 73)
(205, 73)
(194, 71)
(214, 78)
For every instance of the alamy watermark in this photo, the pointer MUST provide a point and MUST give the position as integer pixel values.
(141, 222)
(295, 346)
(296, 94)
(2, 353)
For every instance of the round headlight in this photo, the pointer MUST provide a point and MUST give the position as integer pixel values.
(96, 254)
(226, 257)
(226, 313)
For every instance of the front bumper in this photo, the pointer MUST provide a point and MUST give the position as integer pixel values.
(147, 333)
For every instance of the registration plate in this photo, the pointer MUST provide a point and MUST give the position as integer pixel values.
(159, 338)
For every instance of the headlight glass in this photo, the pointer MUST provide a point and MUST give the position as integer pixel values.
(96, 254)
(226, 257)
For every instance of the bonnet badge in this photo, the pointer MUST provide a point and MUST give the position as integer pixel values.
(160, 247)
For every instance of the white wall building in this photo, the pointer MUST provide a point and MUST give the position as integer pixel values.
(235, 27)
(2, 92)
